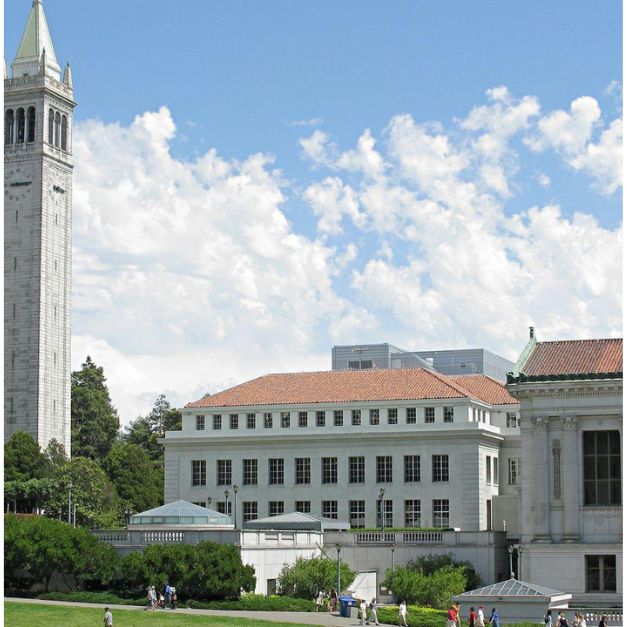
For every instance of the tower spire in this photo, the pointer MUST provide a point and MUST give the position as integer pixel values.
(35, 39)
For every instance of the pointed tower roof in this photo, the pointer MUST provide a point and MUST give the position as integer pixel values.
(35, 40)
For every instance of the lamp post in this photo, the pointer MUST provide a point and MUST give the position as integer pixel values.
(235, 489)
(392, 547)
(69, 503)
(209, 499)
(226, 502)
(519, 550)
(338, 548)
(381, 495)
(510, 550)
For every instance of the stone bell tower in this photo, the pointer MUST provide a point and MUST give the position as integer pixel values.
(38, 106)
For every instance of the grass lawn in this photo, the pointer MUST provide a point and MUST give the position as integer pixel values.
(32, 615)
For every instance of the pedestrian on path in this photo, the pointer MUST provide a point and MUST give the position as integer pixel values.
(319, 599)
(373, 612)
(362, 612)
(480, 617)
(402, 614)
(451, 617)
(108, 618)
(472, 618)
(495, 620)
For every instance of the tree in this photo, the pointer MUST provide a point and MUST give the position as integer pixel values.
(135, 477)
(23, 458)
(30, 495)
(306, 577)
(55, 455)
(429, 564)
(95, 421)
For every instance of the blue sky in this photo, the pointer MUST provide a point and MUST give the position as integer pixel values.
(300, 83)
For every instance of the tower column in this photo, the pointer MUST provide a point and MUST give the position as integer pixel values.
(570, 491)
(543, 523)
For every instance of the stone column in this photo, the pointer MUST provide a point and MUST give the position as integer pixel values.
(543, 525)
(572, 480)
(528, 478)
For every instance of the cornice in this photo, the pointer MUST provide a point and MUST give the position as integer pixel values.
(566, 389)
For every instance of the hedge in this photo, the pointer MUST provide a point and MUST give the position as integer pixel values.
(257, 602)
(103, 598)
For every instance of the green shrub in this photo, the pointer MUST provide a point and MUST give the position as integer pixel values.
(101, 598)
(257, 602)
(416, 616)
(306, 577)
(434, 562)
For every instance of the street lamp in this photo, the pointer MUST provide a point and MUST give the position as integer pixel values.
(127, 514)
(209, 502)
(392, 547)
(338, 548)
(69, 503)
(519, 550)
(381, 495)
(510, 550)
(235, 489)
(226, 502)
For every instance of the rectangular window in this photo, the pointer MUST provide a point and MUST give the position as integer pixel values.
(200, 503)
(217, 422)
(356, 417)
(233, 421)
(249, 472)
(513, 466)
(511, 420)
(302, 470)
(412, 468)
(387, 513)
(488, 469)
(251, 421)
(225, 507)
(285, 420)
(275, 508)
(304, 507)
(441, 513)
(275, 471)
(320, 419)
(449, 412)
(600, 573)
(199, 472)
(601, 468)
(329, 470)
(223, 474)
(439, 468)
(393, 416)
(302, 418)
(200, 423)
(250, 510)
(361, 364)
(374, 416)
(338, 417)
(384, 469)
(329, 509)
(410, 415)
(429, 414)
(267, 421)
(412, 513)
(356, 470)
(495, 470)
(357, 514)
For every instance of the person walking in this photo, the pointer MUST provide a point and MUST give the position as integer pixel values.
(362, 612)
(402, 614)
(319, 600)
(168, 594)
(173, 598)
(472, 617)
(108, 618)
(495, 620)
(548, 619)
(582, 621)
(480, 617)
(603, 621)
(451, 617)
(456, 606)
(373, 612)
(153, 597)
(332, 601)
(562, 621)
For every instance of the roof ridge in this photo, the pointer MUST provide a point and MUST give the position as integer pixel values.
(458, 388)
(592, 339)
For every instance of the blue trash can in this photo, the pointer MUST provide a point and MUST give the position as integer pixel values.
(345, 604)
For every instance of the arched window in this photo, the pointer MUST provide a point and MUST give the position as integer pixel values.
(21, 123)
(30, 135)
(64, 133)
(9, 126)
(57, 128)
(50, 126)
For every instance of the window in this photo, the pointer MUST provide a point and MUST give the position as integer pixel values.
(57, 129)
(474, 414)
(267, 421)
(440, 513)
(513, 467)
(250, 510)
(488, 469)
(223, 474)
(304, 507)
(329, 470)
(302, 470)
(393, 416)
(511, 420)
(9, 123)
(600, 573)
(199, 472)
(356, 417)
(217, 422)
(200, 503)
(384, 469)
(275, 471)
(50, 126)
(302, 418)
(412, 468)
(387, 513)
(495, 470)
(410, 415)
(320, 419)
(356, 470)
(601, 468)
(429, 414)
(30, 132)
(374, 416)
(360, 364)
(338, 417)
(249, 471)
(439, 468)
(357, 514)
(275, 508)
(21, 125)
(448, 414)
(64, 133)
(412, 513)
(285, 419)
(200, 423)
(251, 421)
(233, 421)
(329, 509)
(225, 507)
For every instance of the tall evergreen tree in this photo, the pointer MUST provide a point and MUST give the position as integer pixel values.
(23, 459)
(95, 421)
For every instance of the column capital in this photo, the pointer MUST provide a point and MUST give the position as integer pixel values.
(540, 423)
(570, 423)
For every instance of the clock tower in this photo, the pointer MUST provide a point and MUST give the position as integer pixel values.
(38, 106)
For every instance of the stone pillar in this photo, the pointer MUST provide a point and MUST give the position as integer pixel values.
(572, 483)
(528, 478)
(543, 523)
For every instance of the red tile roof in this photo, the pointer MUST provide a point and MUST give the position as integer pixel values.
(339, 386)
(485, 388)
(575, 357)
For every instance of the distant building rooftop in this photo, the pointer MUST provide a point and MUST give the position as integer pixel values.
(180, 513)
(296, 521)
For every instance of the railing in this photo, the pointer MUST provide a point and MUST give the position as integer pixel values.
(593, 615)
(422, 537)
(112, 536)
(158, 537)
(375, 537)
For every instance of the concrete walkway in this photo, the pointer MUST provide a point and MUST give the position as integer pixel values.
(322, 619)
